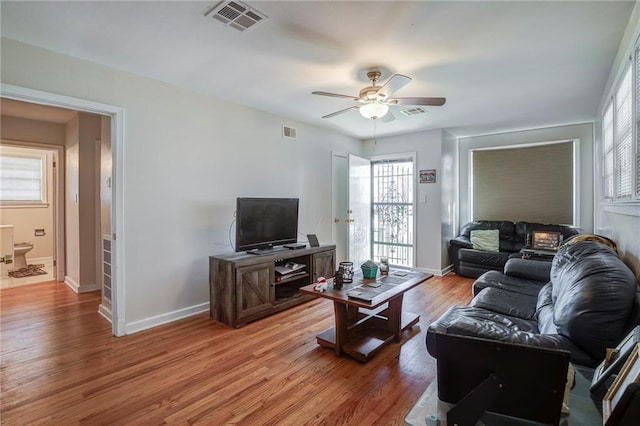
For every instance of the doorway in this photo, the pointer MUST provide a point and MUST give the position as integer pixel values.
(31, 210)
(116, 115)
(392, 230)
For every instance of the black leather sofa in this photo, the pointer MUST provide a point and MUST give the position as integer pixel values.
(469, 262)
(584, 301)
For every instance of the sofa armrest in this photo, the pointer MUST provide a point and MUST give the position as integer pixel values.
(461, 241)
(528, 269)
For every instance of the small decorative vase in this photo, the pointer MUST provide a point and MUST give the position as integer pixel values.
(347, 272)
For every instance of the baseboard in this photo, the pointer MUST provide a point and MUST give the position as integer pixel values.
(85, 288)
(150, 322)
(47, 261)
(105, 312)
(437, 272)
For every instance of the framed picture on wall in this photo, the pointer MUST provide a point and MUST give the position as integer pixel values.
(428, 176)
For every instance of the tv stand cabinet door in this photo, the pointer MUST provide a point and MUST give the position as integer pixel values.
(324, 264)
(254, 291)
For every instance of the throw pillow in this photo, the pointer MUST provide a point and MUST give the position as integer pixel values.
(485, 239)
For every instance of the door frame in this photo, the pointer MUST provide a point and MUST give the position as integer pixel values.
(116, 114)
(413, 157)
(57, 175)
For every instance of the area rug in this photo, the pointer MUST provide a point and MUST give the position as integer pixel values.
(29, 271)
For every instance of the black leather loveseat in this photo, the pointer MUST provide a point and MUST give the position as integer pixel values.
(470, 262)
(584, 301)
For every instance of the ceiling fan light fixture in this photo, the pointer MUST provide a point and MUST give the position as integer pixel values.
(373, 110)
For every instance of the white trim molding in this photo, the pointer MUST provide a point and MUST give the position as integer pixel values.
(146, 323)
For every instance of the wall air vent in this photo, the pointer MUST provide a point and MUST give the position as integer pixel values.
(289, 132)
(236, 14)
(413, 111)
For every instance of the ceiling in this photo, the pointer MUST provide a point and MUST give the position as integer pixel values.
(501, 65)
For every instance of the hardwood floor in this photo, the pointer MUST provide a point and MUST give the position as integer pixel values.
(61, 365)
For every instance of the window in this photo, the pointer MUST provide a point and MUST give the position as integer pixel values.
(22, 177)
(392, 211)
(637, 97)
(607, 144)
(621, 138)
(533, 182)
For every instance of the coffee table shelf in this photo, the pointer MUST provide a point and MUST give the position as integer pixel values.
(368, 337)
(362, 329)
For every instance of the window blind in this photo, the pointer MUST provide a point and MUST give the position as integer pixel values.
(21, 179)
(533, 183)
(607, 142)
(637, 66)
(623, 137)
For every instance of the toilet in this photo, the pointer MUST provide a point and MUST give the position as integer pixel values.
(19, 254)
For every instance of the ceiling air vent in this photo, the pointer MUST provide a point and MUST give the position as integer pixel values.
(236, 14)
(413, 111)
(289, 132)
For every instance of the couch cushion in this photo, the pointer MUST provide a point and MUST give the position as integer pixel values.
(478, 322)
(528, 269)
(593, 292)
(485, 258)
(505, 228)
(497, 279)
(485, 239)
(507, 302)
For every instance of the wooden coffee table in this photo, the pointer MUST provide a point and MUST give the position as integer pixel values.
(363, 328)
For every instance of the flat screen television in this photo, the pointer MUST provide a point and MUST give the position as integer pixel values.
(264, 223)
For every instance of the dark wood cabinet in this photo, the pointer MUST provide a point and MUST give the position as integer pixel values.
(324, 264)
(245, 287)
(254, 290)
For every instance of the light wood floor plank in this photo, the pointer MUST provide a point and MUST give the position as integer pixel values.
(61, 365)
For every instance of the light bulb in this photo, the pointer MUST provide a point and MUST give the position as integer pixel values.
(374, 110)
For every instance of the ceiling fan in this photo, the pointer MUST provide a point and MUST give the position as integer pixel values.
(375, 100)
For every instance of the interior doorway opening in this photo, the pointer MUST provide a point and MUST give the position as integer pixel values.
(115, 127)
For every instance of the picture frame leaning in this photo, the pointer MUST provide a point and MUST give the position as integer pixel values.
(613, 362)
(623, 396)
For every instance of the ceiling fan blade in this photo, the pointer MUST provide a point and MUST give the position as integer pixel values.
(342, 111)
(417, 101)
(395, 83)
(387, 117)
(335, 95)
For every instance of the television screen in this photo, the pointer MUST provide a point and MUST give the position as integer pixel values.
(262, 223)
(546, 240)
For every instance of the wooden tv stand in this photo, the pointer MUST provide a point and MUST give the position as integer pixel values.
(245, 287)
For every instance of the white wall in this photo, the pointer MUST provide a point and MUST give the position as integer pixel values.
(428, 149)
(619, 222)
(583, 131)
(187, 157)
